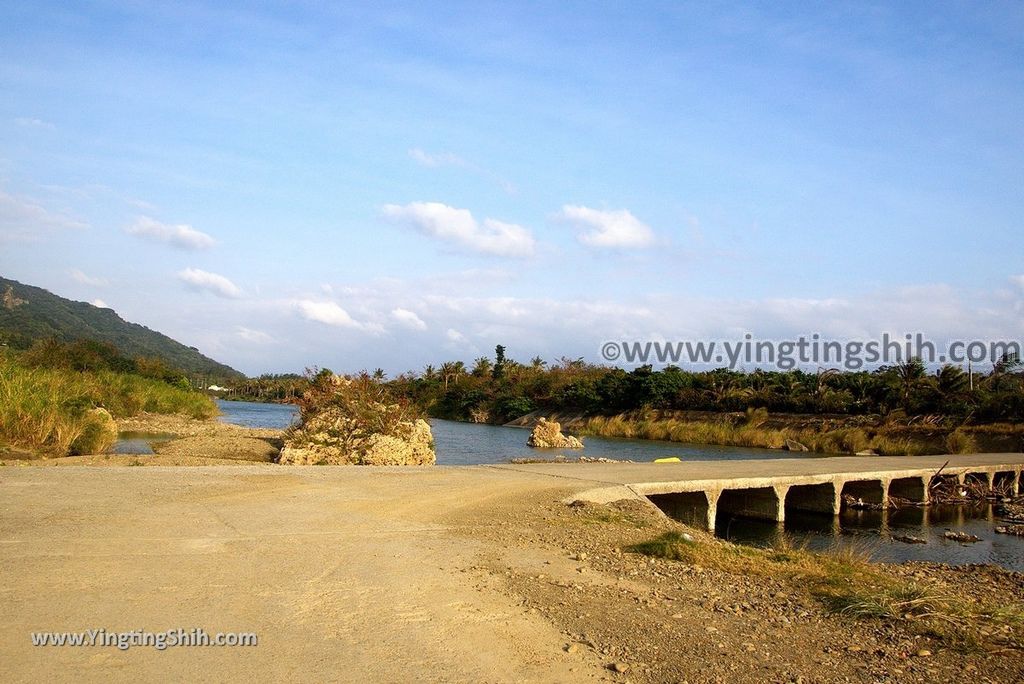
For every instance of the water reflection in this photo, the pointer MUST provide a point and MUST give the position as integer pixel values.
(874, 532)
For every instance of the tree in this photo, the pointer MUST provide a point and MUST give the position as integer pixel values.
(482, 367)
(498, 372)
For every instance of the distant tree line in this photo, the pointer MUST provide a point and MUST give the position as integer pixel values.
(271, 388)
(502, 389)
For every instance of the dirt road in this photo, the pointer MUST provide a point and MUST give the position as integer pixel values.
(470, 574)
(344, 574)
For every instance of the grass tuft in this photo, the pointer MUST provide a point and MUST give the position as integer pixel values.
(846, 583)
(52, 411)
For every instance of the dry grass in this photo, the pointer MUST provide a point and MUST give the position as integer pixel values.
(48, 411)
(751, 432)
(846, 583)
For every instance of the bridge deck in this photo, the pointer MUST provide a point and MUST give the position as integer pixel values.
(696, 491)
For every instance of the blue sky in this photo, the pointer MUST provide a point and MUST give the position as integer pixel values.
(284, 185)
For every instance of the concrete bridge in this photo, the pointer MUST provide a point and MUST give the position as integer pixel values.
(698, 492)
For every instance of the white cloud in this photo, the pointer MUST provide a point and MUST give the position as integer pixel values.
(434, 160)
(209, 282)
(99, 304)
(80, 277)
(454, 335)
(181, 236)
(1018, 280)
(23, 220)
(29, 122)
(459, 226)
(409, 319)
(331, 313)
(254, 336)
(607, 229)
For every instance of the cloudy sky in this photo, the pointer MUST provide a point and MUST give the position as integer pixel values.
(392, 184)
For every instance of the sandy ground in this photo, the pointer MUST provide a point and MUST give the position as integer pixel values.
(472, 574)
(392, 575)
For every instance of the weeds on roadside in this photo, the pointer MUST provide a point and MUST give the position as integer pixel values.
(47, 410)
(846, 583)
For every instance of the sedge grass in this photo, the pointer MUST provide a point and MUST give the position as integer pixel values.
(47, 410)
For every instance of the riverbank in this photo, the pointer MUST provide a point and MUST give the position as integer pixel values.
(179, 440)
(825, 434)
(443, 574)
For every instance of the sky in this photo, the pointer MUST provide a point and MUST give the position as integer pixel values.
(363, 185)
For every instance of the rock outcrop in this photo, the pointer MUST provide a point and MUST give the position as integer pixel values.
(548, 435)
(351, 428)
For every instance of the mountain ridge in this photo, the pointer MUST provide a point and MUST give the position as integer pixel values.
(29, 313)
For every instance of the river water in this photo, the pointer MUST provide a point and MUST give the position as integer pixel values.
(458, 444)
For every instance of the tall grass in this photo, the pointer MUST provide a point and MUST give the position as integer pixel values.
(47, 410)
(750, 431)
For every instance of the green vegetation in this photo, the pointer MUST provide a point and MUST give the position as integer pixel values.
(49, 402)
(846, 583)
(30, 314)
(269, 388)
(500, 389)
(900, 410)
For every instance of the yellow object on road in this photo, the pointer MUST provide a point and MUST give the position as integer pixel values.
(671, 459)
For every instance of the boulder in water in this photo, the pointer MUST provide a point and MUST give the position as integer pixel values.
(548, 435)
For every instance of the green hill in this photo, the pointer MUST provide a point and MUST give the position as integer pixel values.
(30, 313)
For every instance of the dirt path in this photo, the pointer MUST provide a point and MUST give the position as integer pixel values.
(345, 576)
(396, 575)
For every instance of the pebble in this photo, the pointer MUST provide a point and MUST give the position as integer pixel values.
(923, 653)
(621, 668)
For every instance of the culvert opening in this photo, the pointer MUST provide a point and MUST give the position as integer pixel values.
(760, 503)
(944, 486)
(863, 492)
(1003, 483)
(812, 498)
(977, 481)
(690, 508)
(908, 488)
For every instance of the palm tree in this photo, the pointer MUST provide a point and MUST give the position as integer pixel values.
(447, 373)
(909, 376)
(482, 367)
